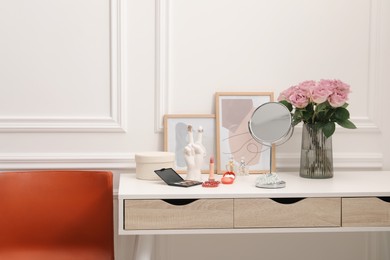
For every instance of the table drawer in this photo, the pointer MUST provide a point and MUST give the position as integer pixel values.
(366, 211)
(178, 214)
(287, 212)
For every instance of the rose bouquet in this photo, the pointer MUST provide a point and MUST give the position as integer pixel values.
(320, 104)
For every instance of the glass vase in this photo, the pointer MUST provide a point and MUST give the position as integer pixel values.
(316, 154)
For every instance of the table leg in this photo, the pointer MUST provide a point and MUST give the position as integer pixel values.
(143, 248)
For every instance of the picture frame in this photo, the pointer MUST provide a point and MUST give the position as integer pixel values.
(176, 138)
(233, 139)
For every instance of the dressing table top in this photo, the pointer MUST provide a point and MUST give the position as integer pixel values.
(343, 184)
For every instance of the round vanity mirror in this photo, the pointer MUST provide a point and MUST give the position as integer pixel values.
(270, 125)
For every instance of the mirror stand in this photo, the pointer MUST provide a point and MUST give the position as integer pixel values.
(270, 180)
(270, 125)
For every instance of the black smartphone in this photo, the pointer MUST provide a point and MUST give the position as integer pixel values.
(172, 178)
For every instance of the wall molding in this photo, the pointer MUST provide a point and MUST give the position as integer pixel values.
(120, 161)
(25, 161)
(374, 107)
(368, 123)
(116, 121)
(161, 63)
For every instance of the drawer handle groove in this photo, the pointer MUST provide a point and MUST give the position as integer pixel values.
(385, 199)
(287, 200)
(179, 202)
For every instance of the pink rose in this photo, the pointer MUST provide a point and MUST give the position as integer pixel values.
(327, 83)
(340, 94)
(320, 93)
(307, 86)
(285, 95)
(299, 98)
(337, 99)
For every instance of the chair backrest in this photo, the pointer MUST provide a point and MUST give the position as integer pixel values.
(50, 210)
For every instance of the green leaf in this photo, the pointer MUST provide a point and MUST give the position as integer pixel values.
(287, 104)
(310, 108)
(295, 122)
(297, 115)
(329, 129)
(307, 113)
(341, 114)
(322, 107)
(320, 124)
(347, 124)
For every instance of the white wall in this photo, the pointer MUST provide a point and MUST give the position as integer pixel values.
(84, 84)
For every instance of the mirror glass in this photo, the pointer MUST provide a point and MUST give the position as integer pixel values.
(271, 123)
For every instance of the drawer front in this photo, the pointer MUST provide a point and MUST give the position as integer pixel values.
(290, 212)
(368, 212)
(178, 214)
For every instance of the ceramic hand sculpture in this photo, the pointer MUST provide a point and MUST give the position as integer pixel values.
(194, 154)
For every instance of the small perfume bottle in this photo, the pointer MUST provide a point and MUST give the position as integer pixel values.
(230, 167)
(243, 169)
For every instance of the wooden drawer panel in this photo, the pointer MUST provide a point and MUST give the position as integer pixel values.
(178, 214)
(366, 212)
(308, 212)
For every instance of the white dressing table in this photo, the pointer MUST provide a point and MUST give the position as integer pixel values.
(348, 202)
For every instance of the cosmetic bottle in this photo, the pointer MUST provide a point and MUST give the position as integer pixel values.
(230, 166)
(243, 169)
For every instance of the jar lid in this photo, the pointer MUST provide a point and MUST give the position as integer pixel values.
(154, 157)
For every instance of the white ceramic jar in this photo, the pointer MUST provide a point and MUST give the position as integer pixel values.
(148, 162)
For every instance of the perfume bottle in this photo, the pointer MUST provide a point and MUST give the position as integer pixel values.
(230, 166)
(243, 169)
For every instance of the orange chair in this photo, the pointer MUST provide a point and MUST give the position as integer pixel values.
(56, 215)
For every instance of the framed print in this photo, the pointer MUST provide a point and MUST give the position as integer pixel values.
(234, 142)
(176, 137)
